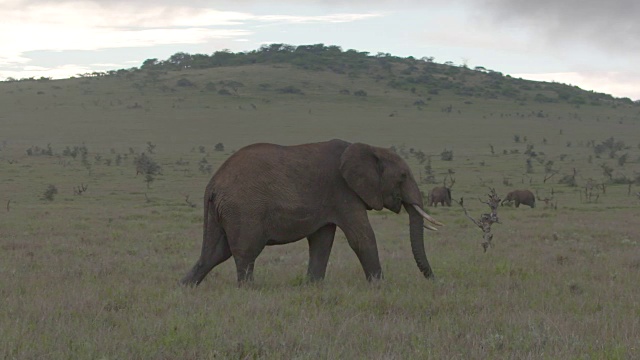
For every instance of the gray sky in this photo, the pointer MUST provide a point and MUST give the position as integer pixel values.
(591, 44)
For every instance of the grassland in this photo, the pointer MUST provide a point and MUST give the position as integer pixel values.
(95, 275)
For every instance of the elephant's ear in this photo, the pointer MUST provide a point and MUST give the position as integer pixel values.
(360, 167)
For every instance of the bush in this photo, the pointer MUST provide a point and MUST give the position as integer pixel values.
(204, 166)
(210, 86)
(623, 159)
(146, 165)
(541, 98)
(36, 150)
(49, 193)
(446, 155)
(290, 90)
(184, 82)
(360, 93)
(569, 180)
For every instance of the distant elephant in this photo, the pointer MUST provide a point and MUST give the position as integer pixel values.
(267, 194)
(521, 197)
(440, 195)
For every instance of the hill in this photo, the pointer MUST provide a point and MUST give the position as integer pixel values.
(293, 84)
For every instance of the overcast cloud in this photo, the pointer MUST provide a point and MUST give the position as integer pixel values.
(591, 44)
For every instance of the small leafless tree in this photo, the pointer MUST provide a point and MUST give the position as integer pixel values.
(8, 205)
(547, 200)
(486, 220)
(592, 191)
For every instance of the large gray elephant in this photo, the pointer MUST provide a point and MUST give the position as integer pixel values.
(521, 197)
(267, 194)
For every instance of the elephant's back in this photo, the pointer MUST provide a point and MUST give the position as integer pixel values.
(265, 168)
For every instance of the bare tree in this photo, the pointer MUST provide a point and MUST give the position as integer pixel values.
(486, 220)
(547, 200)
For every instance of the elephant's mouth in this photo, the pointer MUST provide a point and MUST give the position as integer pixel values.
(396, 204)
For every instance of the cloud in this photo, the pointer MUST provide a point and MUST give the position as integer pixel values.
(332, 18)
(620, 84)
(94, 25)
(611, 25)
(37, 72)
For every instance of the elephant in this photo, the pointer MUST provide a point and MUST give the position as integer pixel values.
(521, 197)
(440, 195)
(268, 194)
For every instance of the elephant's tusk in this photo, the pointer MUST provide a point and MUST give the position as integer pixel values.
(429, 227)
(426, 216)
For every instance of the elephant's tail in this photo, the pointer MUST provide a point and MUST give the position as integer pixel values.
(214, 246)
(212, 230)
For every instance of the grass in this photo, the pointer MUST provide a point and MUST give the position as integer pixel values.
(95, 275)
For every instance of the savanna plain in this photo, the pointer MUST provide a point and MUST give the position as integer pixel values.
(102, 181)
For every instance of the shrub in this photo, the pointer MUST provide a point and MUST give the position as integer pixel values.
(146, 165)
(360, 93)
(446, 155)
(37, 150)
(184, 82)
(210, 86)
(623, 159)
(204, 166)
(529, 166)
(569, 180)
(290, 90)
(49, 193)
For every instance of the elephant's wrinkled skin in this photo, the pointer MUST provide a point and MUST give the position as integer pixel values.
(440, 195)
(267, 194)
(521, 197)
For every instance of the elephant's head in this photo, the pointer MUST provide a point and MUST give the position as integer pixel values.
(511, 196)
(382, 179)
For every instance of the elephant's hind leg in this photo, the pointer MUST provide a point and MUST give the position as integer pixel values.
(244, 267)
(245, 255)
(320, 243)
(214, 252)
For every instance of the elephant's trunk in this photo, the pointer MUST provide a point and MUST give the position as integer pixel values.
(416, 233)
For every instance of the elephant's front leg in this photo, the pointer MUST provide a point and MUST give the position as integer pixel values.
(362, 240)
(320, 243)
